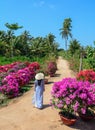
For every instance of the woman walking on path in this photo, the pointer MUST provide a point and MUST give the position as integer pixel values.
(39, 89)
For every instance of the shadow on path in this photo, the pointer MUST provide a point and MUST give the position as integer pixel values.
(57, 75)
(46, 106)
(50, 82)
(84, 125)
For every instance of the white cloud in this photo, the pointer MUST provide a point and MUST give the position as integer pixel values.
(43, 3)
(51, 6)
(39, 4)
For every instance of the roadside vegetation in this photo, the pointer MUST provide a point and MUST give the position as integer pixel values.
(80, 57)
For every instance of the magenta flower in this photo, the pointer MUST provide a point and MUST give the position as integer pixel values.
(83, 110)
(74, 95)
(17, 75)
(10, 86)
(76, 106)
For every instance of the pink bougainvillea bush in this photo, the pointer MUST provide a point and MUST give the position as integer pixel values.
(11, 68)
(10, 86)
(11, 83)
(23, 76)
(51, 69)
(7, 67)
(15, 66)
(34, 65)
(72, 95)
(86, 75)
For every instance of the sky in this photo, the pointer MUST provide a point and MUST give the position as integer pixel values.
(41, 17)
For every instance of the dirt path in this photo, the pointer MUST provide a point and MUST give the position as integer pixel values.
(21, 115)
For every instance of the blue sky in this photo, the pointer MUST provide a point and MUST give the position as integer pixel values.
(41, 17)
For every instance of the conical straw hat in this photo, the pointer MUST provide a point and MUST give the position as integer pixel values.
(39, 76)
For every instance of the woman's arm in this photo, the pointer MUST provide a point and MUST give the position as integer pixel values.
(43, 84)
(35, 85)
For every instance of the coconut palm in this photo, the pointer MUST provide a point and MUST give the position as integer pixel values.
(66, 30)
(22, 43)
(2, 35)
(10, 33)
(52, 45)
(74, 46)
(37, 47)
(14, 26)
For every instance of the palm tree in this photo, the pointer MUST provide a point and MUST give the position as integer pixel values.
(52, 45)
(66, 30)
(36, 47)
(14, 26)
(2, 35)
(25, 39)
(11, 28)
(74, 47)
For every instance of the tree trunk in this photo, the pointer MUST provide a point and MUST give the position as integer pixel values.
(66, 43)
(81, 61)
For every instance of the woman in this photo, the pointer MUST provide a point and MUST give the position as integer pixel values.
(39, 89)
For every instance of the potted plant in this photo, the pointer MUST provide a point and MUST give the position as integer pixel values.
(67, 118)
(51, 68)
(71, 96)
(88, 75)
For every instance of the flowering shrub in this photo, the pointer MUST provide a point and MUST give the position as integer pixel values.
(23, 76)
(52, 67)
(72, 95)
(34, 65)
(10, 68)
(10, 86)
(2, 76)
(16, 75)
(86, 75)
(12, 82)
(33, 68)
(5, 68)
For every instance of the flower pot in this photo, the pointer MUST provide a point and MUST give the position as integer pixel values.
(46, 81)
(85, 117)
(52, 74)
(10, 96)
(89, 115)
(66, 120)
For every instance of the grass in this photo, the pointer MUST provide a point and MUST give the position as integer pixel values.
(3, 100)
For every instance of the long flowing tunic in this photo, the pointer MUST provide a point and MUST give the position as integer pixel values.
(38, 97)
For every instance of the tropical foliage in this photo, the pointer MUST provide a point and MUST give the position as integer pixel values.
(74, 47)
(25, 44)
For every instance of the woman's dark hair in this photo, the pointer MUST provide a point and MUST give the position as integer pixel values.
(39, 82)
